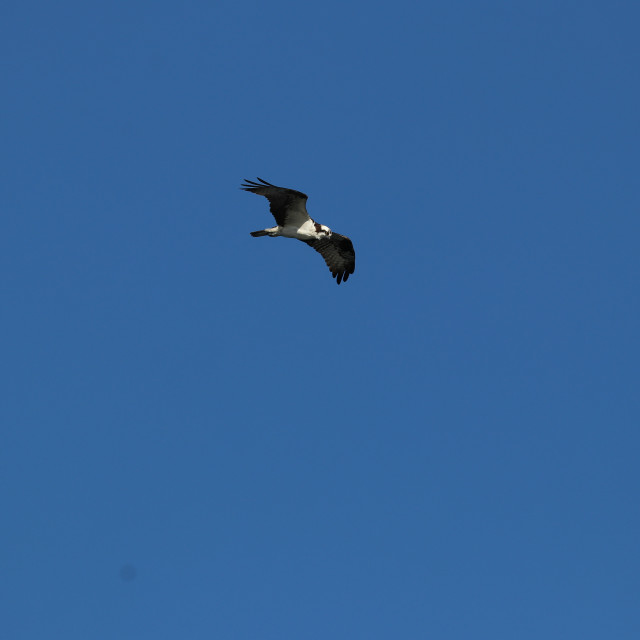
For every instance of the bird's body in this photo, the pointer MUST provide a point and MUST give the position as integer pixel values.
(306, 231)
(289, 209)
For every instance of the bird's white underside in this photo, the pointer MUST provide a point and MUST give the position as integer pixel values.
(306, 231)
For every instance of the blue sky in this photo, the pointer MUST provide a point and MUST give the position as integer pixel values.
(203, 436)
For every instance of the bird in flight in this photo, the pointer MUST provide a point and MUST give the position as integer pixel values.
(289, 209)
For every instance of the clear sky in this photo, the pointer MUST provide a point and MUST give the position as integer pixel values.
(202, 436)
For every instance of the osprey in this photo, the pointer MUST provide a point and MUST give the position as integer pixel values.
(289, 209)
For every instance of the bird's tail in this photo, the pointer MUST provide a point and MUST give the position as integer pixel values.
(259, 234)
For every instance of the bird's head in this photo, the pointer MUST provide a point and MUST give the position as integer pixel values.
(324, 232)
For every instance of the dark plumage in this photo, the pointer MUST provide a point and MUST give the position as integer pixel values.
(338, 253)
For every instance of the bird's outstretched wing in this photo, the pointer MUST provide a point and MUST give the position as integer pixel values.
(287, 205)
(338, 253)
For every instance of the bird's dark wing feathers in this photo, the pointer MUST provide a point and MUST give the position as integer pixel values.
(338, 253)
(288, 206)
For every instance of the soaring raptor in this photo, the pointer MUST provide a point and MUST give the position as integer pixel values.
(289, 209)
